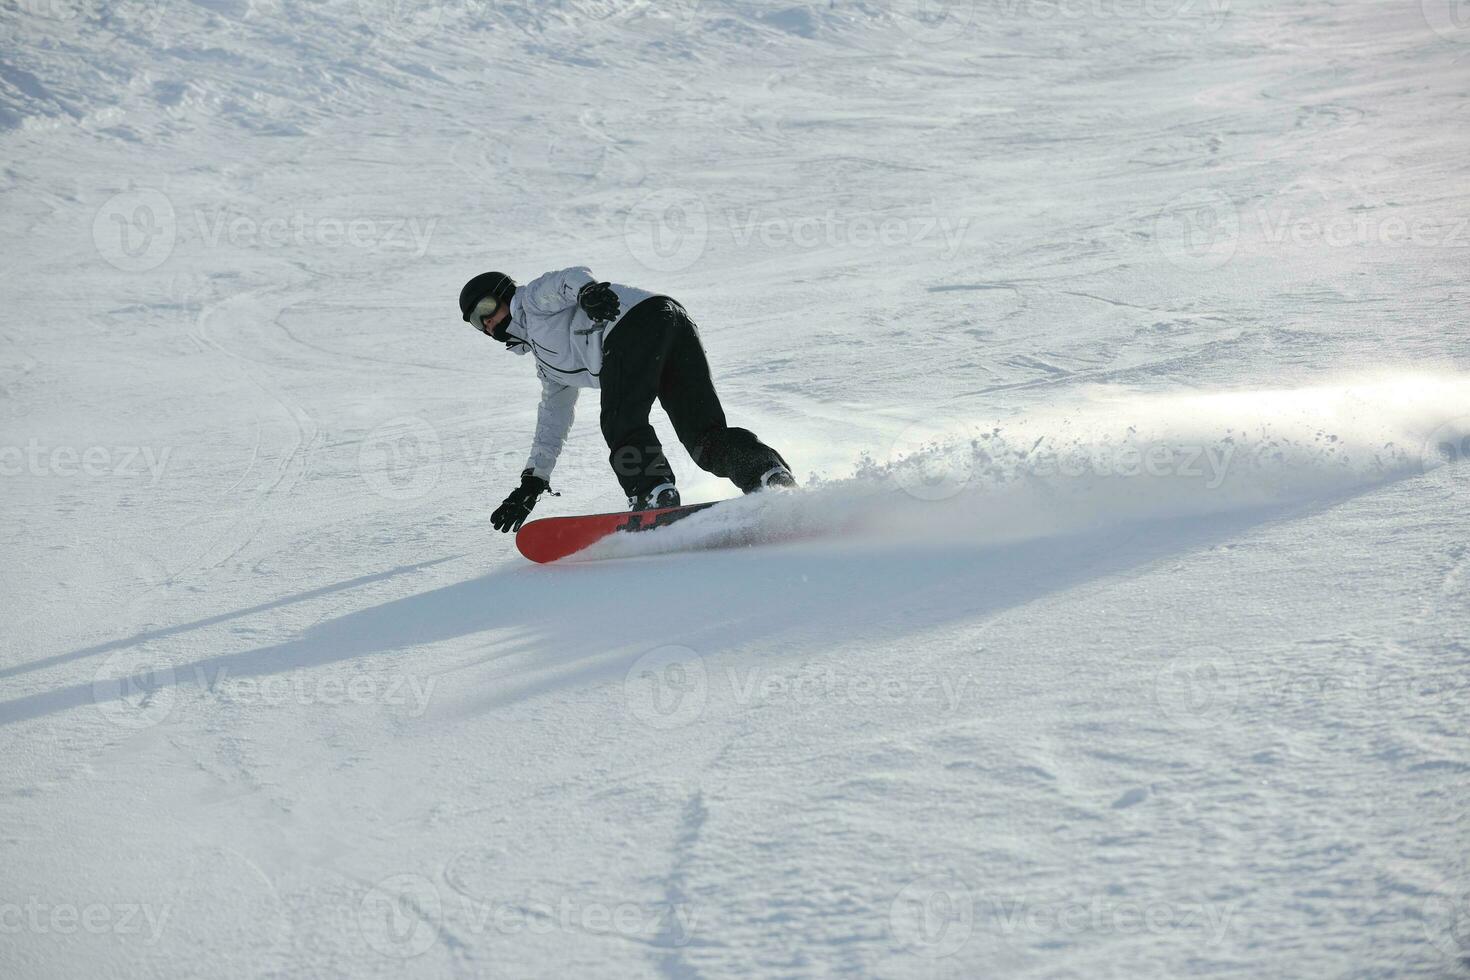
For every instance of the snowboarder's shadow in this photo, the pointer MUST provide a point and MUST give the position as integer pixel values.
(579, 625)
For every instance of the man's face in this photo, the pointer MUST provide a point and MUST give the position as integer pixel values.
(489, 314)
(495, 319)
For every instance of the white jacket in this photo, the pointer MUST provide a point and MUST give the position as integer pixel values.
(546, 322)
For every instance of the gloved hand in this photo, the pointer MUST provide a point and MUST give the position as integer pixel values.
(512, 513)
(598, 299)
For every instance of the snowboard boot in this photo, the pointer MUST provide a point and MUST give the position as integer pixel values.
(663, 495)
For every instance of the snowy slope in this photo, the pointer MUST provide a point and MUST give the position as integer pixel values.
(1122, 631)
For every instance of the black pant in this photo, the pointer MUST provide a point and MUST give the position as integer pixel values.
(654, 352)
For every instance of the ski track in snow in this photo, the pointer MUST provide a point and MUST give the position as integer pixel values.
(1121, 628)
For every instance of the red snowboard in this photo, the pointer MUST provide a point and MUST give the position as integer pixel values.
(552, 538)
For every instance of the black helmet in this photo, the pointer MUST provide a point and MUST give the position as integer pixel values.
(496, 284)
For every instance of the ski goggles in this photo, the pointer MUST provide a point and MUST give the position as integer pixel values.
(483, 309)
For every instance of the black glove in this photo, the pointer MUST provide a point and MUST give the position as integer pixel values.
(511, 514)
(598, 299)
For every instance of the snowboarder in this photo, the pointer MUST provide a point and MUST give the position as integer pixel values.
(635, 346)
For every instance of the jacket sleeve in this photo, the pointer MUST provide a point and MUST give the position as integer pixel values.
(553, 422)
(555, 291)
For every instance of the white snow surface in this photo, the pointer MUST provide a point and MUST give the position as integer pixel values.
(1121, 628)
